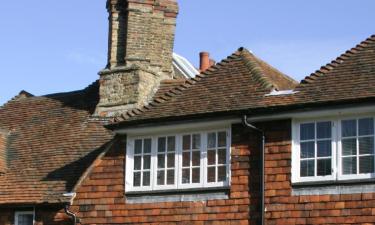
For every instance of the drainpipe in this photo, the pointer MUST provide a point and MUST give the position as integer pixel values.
(66, 208)
(249, 125)
(71, 214)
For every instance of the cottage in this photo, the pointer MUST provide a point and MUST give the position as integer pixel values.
(150, 143)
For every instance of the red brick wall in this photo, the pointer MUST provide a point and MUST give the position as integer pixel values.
(100, 199)
(283, 208)
(44, 215)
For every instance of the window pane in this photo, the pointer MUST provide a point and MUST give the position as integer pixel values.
(25, 219)
(324, 148)
(349, 146)
(186, 142)
(211, 157)
(211, 174)
(137, 179)
(324, 130)
(366, 126)
(366, 145)
(147, 146)
(222, 173)
(186, 176)
(196, 158)
(349, 128)
(137, 146)
(324, 167)
(222, 156)
(307, 131)
(147, 162)
(161, 178)
(196, 141)
(161, 161)
(171, 160)
(366, 164)
(146, 178)
(186, 159)
(307, 150)
(196, 175)
(307, 168)
(161, 144)
(349, 165)
(171, 144)
(222, 142)
(211, 140)
(170, 177)
(137, 162)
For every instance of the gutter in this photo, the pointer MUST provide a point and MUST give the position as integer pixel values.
(262, 188)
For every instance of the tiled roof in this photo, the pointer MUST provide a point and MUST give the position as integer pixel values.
(51, 141)
(236, 83)
(242, 82)
(350, 76)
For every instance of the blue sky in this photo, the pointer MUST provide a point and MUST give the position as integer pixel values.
(57, 46)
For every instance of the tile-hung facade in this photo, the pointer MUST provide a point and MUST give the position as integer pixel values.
(239, 143)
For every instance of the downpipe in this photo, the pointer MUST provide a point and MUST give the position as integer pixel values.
(70, 214)
(249, 125)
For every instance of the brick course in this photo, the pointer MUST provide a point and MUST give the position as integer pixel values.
(283, 208)
(101, 199)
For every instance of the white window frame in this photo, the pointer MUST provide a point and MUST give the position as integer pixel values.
(336, 150)
(342, 176)
(178, 162)
(18, 213)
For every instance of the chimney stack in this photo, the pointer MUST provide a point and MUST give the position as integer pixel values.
(140, 48)
(204, 61)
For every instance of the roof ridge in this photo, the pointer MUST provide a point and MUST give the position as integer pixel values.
(337, 61)
(255, 69)
(175, 91)
(21, 95)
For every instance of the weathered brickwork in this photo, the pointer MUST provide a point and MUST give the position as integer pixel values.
(101, 199)
(141, 39)
(284, 209)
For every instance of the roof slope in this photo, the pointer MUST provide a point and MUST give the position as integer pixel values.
(51, 142)
(350, 76)
(234, 84)
(243, 82)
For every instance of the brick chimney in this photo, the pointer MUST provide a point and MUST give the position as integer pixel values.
(205, 61)
(3, 156)
(140, 48)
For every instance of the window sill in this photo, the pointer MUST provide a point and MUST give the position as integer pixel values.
(333, 182)
(334, 187)
(187, 195)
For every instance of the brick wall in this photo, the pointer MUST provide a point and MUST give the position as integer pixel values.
(101, 200)
(283, 208)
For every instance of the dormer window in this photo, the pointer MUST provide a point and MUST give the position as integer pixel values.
(178, 161)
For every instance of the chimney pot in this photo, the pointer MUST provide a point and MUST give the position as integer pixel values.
(204, 61)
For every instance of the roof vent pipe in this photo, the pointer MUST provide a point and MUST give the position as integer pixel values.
(204, 61)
